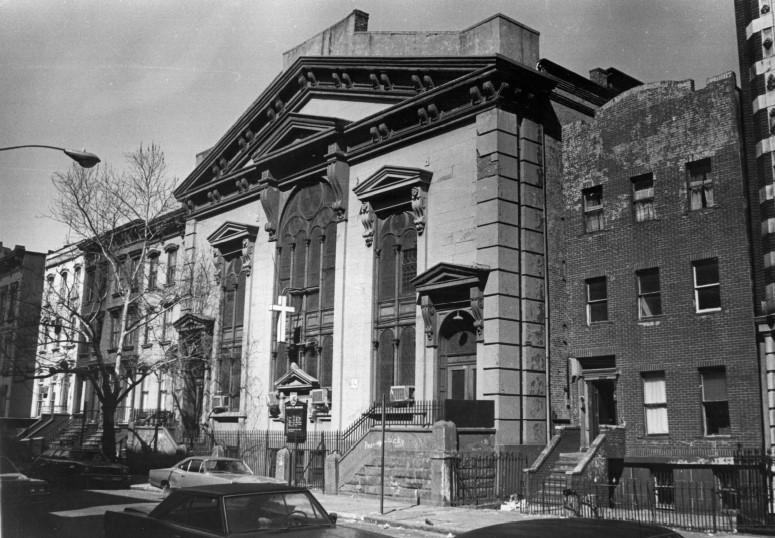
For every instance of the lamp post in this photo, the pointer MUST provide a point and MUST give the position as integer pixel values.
(84, 158)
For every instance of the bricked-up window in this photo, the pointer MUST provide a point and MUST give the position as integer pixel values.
(700, 184)
(714, 401)
(707, 289)
(655, 403)
(649, 293)
(597, 300)
(643, 197)
(593, 208)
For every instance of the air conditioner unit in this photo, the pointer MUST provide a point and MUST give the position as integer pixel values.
(221, 402)
(402, 394)
(320, 397)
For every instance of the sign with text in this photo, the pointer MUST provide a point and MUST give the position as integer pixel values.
(296, 422)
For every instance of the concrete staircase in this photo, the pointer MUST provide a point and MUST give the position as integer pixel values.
(557, 481)
(71, 435)
(407, 476)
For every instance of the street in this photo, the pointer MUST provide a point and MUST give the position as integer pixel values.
(75, 513)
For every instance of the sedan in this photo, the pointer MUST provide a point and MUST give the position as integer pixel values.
(80, 466)
(18, 490)
(204, 470)
(226, 510)
(572, 528)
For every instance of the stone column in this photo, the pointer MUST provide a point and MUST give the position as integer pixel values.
(510, 240)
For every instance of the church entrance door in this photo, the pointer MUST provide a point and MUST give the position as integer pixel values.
(457, 357)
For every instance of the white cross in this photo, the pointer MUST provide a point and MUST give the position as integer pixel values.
(283, 309)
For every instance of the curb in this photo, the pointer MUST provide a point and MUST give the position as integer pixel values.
(380, 521)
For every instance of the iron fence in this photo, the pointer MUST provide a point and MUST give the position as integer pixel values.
(487, 478)
(689, 505)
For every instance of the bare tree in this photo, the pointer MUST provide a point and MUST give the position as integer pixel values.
(121, 219)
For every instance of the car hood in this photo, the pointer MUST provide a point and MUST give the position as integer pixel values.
(247, 478)
(17, 477)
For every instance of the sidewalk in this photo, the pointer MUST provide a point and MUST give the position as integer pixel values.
(446, 521)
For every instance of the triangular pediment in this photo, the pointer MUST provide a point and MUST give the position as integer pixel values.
(231, 231)
(449, 275)
(190, 323)
(295, 380)
(390, 179)
(293, 129)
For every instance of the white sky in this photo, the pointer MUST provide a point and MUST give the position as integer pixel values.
(108, 75)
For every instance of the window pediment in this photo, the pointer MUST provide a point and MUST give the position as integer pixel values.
(294, 380)
(449, 275)
(231, 233)
(390, 181)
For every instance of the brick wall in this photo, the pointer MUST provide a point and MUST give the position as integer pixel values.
(657, 128)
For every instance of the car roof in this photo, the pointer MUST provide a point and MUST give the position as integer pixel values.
(240, 488)
(573, 528)
(210, 458)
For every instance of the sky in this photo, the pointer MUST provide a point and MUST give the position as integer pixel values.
(108, 76)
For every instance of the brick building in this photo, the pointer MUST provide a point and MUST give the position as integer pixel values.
(21, 282)
(653, 340)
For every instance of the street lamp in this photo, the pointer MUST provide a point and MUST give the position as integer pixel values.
(84, 158)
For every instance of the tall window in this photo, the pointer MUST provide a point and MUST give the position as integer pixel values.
(166, 324)
(592, 199)
(597, 300)
(649, 293)
(714, 401)
(75, 288)
(115, 328)
(655, 403)
(64, 291)
(700, 185)
(643, 197)
(306, 254)
(133, 275)
(3, 303)
(396, 262)
(172, 261)
(153, 271)
(13, 290)
(233, 281)
(707, 289)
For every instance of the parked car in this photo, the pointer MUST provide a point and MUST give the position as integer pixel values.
(224, 510)
(203, 470)
(572, 528)
(16, 489)
(80, 467)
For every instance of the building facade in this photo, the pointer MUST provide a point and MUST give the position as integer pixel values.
(653, 337)
(376, 218)
(21, 282)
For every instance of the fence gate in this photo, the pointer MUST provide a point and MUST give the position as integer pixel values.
(753, 488)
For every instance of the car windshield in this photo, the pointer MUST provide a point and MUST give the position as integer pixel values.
(7, 466)
(247, 513)
(226, 466)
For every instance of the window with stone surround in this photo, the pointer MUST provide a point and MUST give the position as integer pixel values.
(306, 254)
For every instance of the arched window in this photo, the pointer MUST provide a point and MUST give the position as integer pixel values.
(233, 281)
(306, 263)
(396, 262)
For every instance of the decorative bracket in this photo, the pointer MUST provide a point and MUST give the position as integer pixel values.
(429, 317)
(418, 209)
(367, 219)
(247, 256)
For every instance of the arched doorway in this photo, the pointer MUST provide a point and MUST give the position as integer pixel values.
(457, 357)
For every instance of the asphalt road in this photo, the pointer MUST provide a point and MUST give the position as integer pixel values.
(78, 513)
